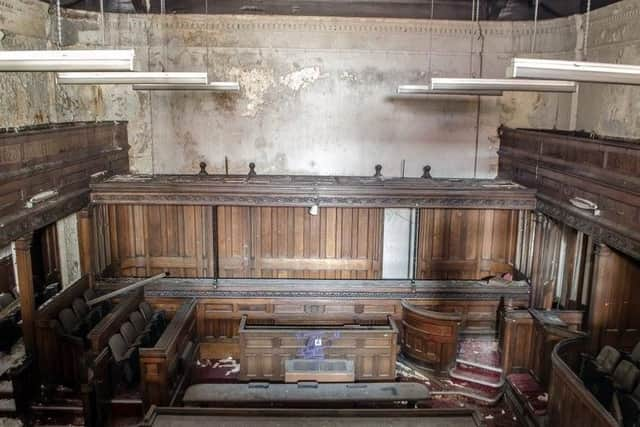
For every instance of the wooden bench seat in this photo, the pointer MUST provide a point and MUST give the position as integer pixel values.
(260, 393)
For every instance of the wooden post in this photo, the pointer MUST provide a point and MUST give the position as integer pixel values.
(85, 242)
(25, 288)
(537, 289)
(599, 298)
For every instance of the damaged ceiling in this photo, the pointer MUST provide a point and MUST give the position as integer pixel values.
(508, 10)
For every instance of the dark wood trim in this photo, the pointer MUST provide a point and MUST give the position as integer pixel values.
(86, 243)
(265, 288)
(325, 191)
(26, 291)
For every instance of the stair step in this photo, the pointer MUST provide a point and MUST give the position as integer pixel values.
(480, 366)
(483, 394)
(492, 381)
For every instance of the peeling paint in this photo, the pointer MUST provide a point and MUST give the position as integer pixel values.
(254, 84)
(300, 79)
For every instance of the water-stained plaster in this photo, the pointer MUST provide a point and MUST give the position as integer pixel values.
(318, 93)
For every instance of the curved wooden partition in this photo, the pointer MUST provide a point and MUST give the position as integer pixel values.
(570, 403)
(430, 337)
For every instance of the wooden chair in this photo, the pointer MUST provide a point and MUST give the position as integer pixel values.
(143, 328)
(130, 335)
(125, 366)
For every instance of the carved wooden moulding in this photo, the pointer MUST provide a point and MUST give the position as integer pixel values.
(326, 191)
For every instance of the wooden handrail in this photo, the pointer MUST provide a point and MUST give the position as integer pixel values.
(126, 289)
(570, 403)
(439, 315)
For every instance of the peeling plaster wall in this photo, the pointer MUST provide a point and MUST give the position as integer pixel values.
(317, 93)
(24, 98)
(614, 36)
(68, 249)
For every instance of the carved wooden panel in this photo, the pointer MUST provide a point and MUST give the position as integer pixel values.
(265, 242)
(221, 317)
(515, 338)
(147, 239)
(466, 243)
(615, 300)
(301, 190)
(263, 351)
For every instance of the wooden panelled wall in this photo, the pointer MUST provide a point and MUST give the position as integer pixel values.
(143, 240)
(466, 243)
(288, 242)
(615, 300)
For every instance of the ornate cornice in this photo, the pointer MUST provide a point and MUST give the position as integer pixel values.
(590, 225)
(306, 191)
(299, 288)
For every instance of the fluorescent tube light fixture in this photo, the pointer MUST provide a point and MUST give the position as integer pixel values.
(590, 72)
(212, 87)
(66, 60)
(427, 90)
(125, 78)
(515, 85)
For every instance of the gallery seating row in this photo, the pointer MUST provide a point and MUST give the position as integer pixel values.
(613, 377)
(142, 329)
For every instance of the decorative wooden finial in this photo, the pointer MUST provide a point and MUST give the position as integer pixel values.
(252, 169)
(426, 172)
(203, 169)
(378, 173)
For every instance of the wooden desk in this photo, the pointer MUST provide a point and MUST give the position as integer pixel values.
(266, 344)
